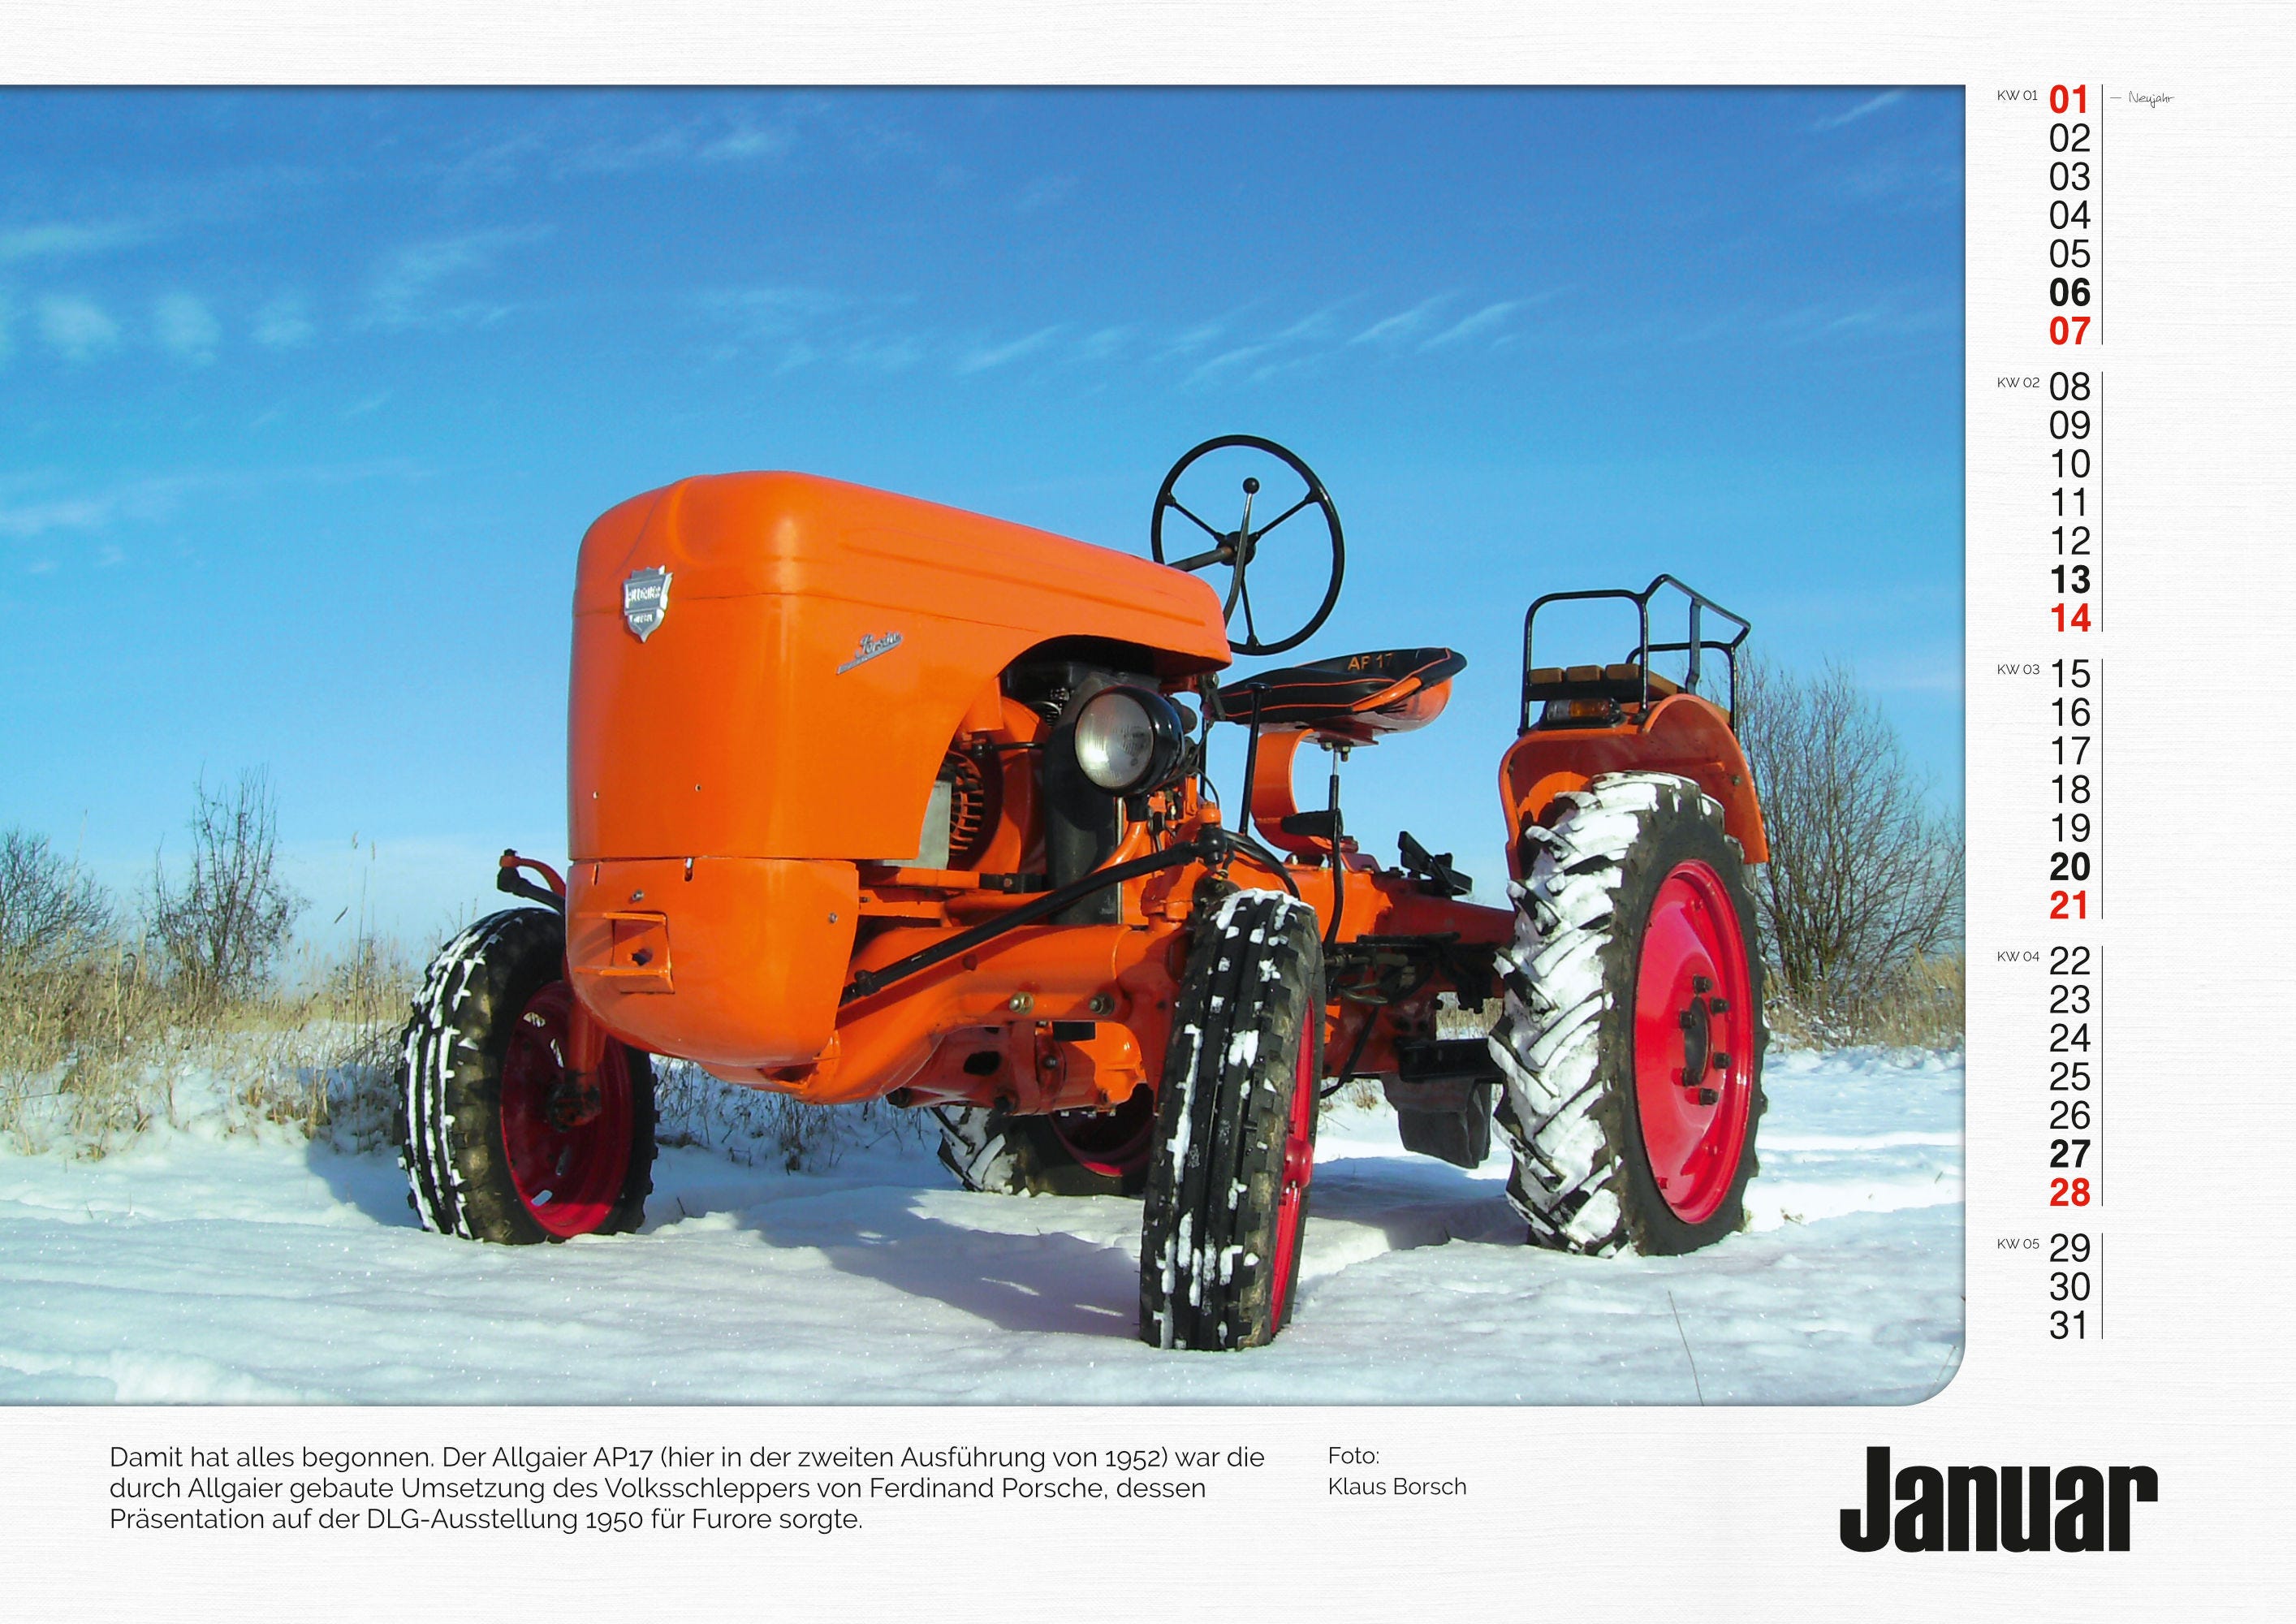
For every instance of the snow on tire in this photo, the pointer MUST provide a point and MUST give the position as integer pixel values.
(1633, 1036)
(502, 1138)
(1226, 1201)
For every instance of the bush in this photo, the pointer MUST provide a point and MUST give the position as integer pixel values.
(221, 928)
(104, 1033)
(1864, 884)
(49, 911)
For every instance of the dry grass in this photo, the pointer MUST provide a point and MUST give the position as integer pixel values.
(1921, 1007)
(95, 1048)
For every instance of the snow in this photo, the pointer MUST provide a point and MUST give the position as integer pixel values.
(191, 1268)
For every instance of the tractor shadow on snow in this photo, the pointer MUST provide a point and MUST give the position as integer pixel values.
(1410, 1202)
(1044, 1282)
(370, 1183)
(915, 1239)
(907, 1229)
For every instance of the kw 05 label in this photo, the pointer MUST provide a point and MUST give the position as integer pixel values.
(2015, 1508)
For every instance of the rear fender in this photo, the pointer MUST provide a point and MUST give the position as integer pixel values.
(1681, 734)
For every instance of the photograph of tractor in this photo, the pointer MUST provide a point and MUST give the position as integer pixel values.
(871, 799)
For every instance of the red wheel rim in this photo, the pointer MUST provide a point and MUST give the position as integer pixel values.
(568, 1149)
(1693, 1042)
(1112, 1143)
(1298, 1167)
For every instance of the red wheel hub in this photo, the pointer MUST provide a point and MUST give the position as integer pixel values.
(566, 1114)
(1694, 1025)
(1112, 1143)
(1298, 1167)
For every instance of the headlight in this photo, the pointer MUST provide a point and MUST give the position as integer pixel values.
(1129, 740)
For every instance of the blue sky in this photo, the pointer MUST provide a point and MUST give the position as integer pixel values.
(305, 398)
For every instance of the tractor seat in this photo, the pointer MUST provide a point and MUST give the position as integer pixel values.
(1351, 699)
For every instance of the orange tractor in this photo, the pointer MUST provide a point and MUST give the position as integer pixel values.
(873, 798)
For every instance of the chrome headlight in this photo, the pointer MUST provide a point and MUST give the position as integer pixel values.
(1129, 740)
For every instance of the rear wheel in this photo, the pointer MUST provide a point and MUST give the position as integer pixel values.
(1633, 1038)
(1068, 1153)
(509, 1132)
(1226, 1203)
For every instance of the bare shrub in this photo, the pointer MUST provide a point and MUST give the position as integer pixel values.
(105, 1034)
(1864, 884)
(223, 924)
(49, 911)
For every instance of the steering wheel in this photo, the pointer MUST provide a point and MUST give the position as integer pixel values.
(1237, 549)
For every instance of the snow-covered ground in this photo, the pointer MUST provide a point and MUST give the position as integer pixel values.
(192, 1268)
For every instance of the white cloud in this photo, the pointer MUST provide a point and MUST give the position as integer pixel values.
(1191, 340)
(1104, 345)
(1227, 360)
(187, 328)
(62, 240)
(76, 327)
(745, 141)
(1887, 98)
(1044, 193)
(609, 157)
(283, 324)
(402, 293)
(774, 312)
(1481, 320)
(1316, 324)
(150, 500)
(981, 359)
(893, 353)
(1400, 326)
(71, 513)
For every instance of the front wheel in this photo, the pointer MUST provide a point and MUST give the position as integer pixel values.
(1226, 1203)
(1633, 1038)
(510, 1132)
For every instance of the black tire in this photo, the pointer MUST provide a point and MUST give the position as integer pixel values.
(1219, 1263)
(1573, 1111)
(991, 1151)
(454, 1085)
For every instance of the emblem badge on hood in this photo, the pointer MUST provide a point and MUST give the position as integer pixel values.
(872, 644)
(646, 599)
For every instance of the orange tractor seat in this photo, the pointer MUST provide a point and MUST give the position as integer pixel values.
(1351, 699)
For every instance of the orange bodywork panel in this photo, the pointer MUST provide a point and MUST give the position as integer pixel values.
(782, 721)
(1681, 733)
(748, 957)
(819, 644)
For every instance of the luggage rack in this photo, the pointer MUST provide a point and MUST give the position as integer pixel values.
(1633, 680)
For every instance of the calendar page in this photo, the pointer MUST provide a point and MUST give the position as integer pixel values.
(1324, 809)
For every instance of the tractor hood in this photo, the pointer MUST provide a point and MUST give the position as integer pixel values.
(771, 665)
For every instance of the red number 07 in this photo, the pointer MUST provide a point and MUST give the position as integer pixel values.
(2060, 333)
